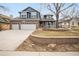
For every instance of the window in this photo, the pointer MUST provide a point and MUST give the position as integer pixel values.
(23, 16)
(28, 15)
(33, 14)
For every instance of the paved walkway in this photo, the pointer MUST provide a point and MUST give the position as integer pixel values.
(24, 53)
(11, 39)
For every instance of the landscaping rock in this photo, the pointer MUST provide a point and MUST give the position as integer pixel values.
(51, 45)
(30, 45)
(33, 44)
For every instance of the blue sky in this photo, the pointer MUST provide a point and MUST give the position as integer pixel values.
(14, 8)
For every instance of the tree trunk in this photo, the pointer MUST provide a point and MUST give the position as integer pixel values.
(57, 18)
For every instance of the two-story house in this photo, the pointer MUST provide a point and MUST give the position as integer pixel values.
(31, 19)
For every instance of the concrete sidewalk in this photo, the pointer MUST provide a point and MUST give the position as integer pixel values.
(11, 39)
(24, 53)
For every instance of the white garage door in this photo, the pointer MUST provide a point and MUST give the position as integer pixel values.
(28, 26)
(15, 27)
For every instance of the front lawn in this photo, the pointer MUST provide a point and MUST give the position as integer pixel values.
(75, 29)
(56, 33)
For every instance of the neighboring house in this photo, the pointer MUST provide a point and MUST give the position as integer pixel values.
(69, 22)
(74, 22)
(30, 19)
(4, 22)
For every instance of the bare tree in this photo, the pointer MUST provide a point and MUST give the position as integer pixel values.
(77, 14)
(57, 8)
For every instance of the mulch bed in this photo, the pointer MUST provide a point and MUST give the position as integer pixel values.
(28, 45)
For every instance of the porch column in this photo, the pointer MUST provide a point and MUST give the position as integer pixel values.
(19, 26)
(44, 24)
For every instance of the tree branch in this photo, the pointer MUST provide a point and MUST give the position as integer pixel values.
(66, 7)
(49, 7)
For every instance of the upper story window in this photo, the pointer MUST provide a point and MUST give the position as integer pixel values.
(23, 16)
(33, 15)
(48, 16)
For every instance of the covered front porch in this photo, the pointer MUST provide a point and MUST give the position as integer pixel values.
(47, 24)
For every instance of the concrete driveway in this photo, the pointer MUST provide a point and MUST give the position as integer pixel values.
(11, 39)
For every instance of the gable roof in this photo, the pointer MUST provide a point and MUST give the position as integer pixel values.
(30, 9)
